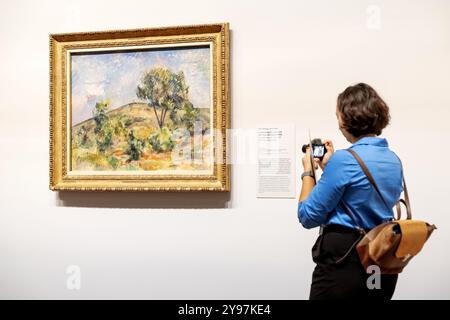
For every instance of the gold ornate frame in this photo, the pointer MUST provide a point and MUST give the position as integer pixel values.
(217, 34)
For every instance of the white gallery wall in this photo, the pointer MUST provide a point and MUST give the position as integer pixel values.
(289, 59)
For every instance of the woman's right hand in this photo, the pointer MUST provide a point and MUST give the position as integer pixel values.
(330, 150)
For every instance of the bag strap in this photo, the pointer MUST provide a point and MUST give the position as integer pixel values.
(406, 200)
(368, 175)
(352, 216)
(372, 181)
(349, 251)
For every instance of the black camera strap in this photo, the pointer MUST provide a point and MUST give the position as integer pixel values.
(311, 158)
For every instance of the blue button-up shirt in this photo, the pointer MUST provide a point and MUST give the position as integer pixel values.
(343, 179)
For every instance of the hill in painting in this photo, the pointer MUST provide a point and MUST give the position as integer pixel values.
(129, 138)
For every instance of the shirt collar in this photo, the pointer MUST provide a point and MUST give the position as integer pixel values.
(373, 141)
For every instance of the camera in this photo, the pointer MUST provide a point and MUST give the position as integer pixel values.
(318, 149)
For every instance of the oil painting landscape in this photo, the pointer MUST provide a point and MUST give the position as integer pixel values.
(146, 111)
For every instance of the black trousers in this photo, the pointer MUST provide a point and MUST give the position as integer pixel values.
(347, 280)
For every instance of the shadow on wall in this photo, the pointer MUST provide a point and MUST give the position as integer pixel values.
(185, 200)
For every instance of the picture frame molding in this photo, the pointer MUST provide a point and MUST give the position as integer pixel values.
(60, 47)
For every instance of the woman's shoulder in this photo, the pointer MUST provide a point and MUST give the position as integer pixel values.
(341, 161)
(341, 156)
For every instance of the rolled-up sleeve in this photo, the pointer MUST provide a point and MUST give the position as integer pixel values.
(326, 195)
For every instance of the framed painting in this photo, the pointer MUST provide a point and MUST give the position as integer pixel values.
(140, 110)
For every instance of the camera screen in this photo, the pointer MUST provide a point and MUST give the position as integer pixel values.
(318, 151)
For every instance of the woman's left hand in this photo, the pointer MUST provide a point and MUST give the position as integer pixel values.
(307, 162)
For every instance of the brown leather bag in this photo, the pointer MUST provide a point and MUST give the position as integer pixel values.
(390, 245)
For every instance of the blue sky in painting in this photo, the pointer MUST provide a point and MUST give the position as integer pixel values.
(115, 76)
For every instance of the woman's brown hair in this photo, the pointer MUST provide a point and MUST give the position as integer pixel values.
(362, 110)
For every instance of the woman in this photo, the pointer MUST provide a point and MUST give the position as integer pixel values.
(362, 115)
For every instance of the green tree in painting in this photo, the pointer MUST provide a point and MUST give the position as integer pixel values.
(162, 141)
(189, 117)
(164, 91)
(100, 114)
(103, 128)
(134, 147)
